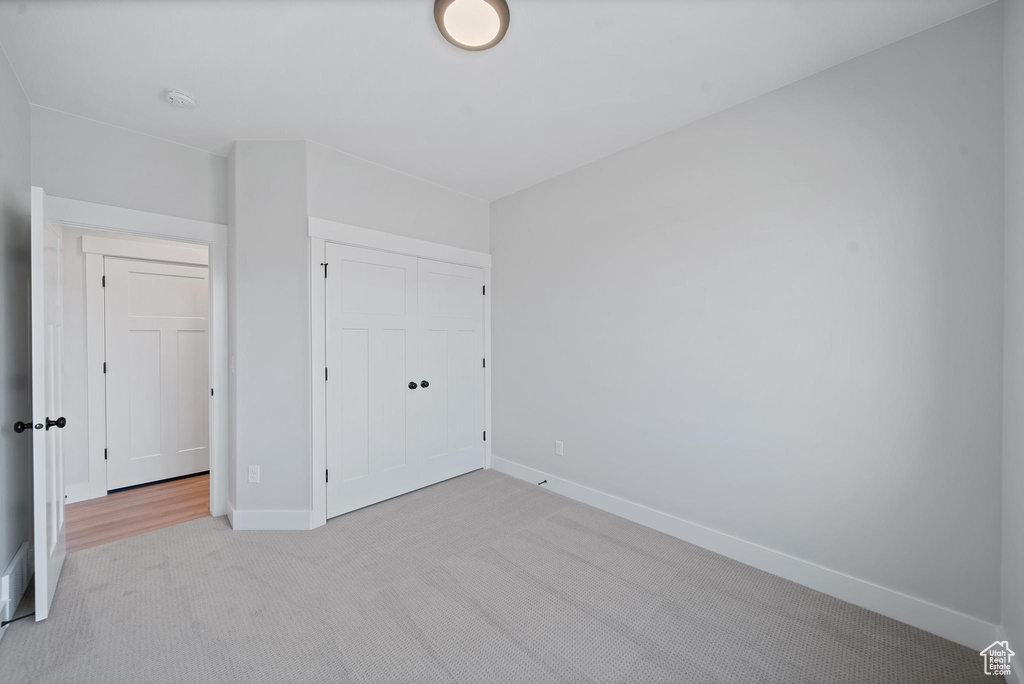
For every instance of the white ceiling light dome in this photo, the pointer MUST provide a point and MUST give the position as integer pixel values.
(472, 24)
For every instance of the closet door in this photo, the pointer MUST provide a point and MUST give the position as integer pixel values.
(371, 329)
(450, 415)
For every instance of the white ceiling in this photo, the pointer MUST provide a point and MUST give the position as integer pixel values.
(573, 80)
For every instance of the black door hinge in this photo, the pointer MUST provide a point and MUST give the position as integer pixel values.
(104, 454)
(327, 475)
(325, 374)
(324, 264)
(485, 435)
(104, 281)
(485, 289)
(104, 366)
(485, 363)
(211, 391)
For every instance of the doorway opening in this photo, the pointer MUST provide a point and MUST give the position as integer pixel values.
(136, 362)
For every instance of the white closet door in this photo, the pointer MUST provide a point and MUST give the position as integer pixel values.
(450, 421)
(157, 357)
(371, 322)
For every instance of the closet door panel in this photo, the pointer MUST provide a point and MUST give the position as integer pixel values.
(371, 333)
(353, 393)
(394, 397)
(450, 418)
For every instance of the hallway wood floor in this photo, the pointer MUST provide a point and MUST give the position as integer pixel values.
(134, 511)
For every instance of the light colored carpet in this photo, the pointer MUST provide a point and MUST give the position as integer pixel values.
(479, 579)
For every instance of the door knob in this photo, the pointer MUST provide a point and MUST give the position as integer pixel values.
(20, 427)
(60, 422)
(412, 385)
(424, 384)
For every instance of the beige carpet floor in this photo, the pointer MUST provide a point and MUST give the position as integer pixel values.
(479, 579)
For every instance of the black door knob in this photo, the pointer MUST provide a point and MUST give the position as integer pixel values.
(424, 384)
(20, 427)
(412, 385)
(60, 422)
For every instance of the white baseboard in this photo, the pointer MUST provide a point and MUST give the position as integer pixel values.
(3, 611)
(945, 622)
(269, 520)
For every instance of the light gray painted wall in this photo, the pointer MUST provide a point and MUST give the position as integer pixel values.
(85, 160)
(232, 202)
(783, 322)
(74, 387)
(15, 356)
(1013, 407)
(268, 248)
(350, 190)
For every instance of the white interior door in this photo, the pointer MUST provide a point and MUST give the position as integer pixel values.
(157, 370)
(404, 376)
(370, 326)
(451, 416)
(47, 455)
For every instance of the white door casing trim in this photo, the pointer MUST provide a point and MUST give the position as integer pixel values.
(946, 622)
(321, 231)
(344, 234)
(135, 222)
(145, 251)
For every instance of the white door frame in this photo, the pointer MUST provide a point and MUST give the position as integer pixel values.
(133, 222)
(321, 231)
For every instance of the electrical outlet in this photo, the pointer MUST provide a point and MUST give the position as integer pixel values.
(558, 448)
(254, 474)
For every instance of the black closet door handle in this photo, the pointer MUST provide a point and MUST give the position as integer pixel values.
(424, 383)
(20, 427)
(412, 385)
(60, 422)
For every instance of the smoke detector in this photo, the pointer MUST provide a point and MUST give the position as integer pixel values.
(180, 98)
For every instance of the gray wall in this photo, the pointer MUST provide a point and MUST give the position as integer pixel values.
(1013, 408)
(232, 203)
(85, 160)
(269, 251)
(351, 190)
(783, 322)
(15, 382)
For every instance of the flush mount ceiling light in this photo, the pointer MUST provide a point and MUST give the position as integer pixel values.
(472, 24)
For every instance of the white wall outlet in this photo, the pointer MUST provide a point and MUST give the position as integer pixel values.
(558, 448)
(254, 474)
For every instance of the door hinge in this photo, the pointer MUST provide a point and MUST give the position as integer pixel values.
(104, 453)
(211, 391)
(103, 281)
(485, 363)
(324, 264)
(325, 374)
(485, 435)
(485, 289)
(327, 475)
(104, 366)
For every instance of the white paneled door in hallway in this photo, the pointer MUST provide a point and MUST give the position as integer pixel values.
(404, 374)
(157, 370)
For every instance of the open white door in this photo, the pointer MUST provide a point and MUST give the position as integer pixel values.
(47, 453)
